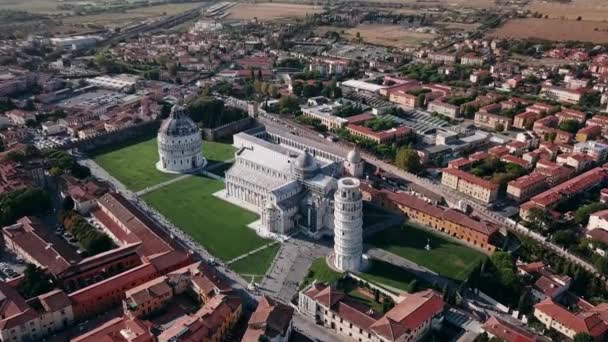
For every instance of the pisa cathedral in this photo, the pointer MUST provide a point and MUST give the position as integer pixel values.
(289, 189)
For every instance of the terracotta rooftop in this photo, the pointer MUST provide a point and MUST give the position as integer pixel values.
(270, 319)
(471, 178)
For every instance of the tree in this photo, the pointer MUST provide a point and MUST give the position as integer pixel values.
(35, 282)
(23, 202)
(67, 204)
(583, 337)
(289, 105)
(408, 160)
(499, 127)
(581, 215)
(570, 125)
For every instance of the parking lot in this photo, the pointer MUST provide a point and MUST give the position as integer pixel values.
(46, 142)
(11, 266)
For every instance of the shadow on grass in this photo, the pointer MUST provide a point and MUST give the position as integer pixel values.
(126, 143)
(448, 258)
(384, 273)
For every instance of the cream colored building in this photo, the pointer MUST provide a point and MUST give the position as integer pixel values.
(470, 185)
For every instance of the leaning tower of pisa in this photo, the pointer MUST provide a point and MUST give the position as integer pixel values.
(348, 222)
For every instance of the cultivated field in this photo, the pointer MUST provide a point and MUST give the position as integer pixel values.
(141, 13)
(551, 29)
(33, 6)
(384, 35)
(448, 258)
(448, 3)
(219, 226)
(135, 165)
(271, 11)
(592, 10)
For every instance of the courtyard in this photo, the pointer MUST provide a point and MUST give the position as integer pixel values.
(446, 257)
(135, 165)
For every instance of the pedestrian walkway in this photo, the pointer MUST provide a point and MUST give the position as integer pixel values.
(161, 185)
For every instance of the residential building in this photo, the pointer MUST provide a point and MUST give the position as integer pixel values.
(492, 121)
(443, 108)
(124, 328)
(527, 186)
(469, 184)
(508, 329)
(561, 94)
(546, 284)
(210, 323)
(271, 321)
(412, 318)
(580, 317)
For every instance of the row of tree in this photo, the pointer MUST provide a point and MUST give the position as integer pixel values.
(23, 202)
(93, 241)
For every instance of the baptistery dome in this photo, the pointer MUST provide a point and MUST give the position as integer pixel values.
(179, 143)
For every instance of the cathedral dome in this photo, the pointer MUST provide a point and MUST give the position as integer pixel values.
(353, 156)
(178, 124)
(306, 162)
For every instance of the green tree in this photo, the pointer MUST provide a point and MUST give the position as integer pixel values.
(408, 160)
(583, 337)
(581, 215)
(35, 282)
(289, 105)
(571, 126)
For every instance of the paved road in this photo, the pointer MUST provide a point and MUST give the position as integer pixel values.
(315, 332)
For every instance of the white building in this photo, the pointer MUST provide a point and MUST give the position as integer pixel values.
(354, 164)
(179, 144)
(288, 189)
(348, 222)
(75, 42)
(124, 83)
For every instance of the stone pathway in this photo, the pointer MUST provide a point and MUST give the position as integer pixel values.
(161, 185)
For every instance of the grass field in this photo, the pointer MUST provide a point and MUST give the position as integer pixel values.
(217, 225)
(114, 18)
(257, 263)
(321, 272)
(450, 259)
(593, 10)
(553, 29)
(271, 11)
(383, 273)
(135, 165)
(384, 35)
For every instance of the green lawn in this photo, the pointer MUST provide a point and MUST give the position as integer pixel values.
(217, 151)
(321, 272)
(383, 273)
(256, 263)
(135, 165)
(218, 225)
(446, 257)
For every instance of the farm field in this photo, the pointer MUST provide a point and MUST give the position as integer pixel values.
(588, 10)
(135, 165)
(141, 13)
(33, 6)
(217, 225)
(551, 29)
(447, 3)
(450, 259)
(384, 35)
(271, 11)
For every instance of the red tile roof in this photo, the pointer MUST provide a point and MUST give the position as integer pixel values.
(510, 331)
(409, 314)
(471, 178)
(114, 207)
(582, 322)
